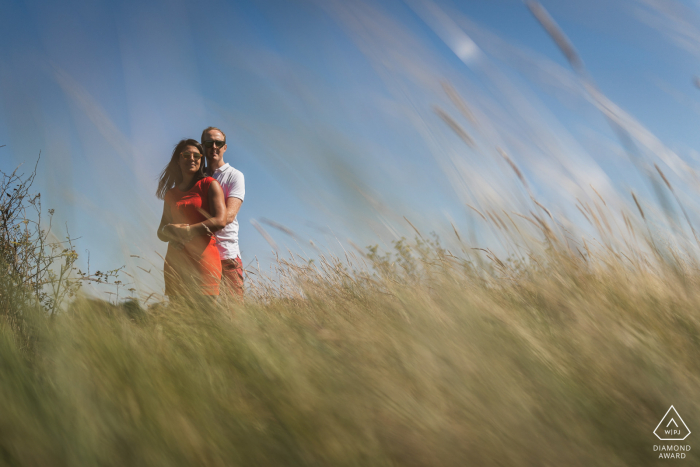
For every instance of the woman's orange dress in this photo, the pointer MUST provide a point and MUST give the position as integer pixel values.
(195, 269)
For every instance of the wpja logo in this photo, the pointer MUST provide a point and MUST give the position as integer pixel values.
(671, 428)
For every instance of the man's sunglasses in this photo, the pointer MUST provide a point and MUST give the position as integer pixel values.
(214, 142)
(193, 155)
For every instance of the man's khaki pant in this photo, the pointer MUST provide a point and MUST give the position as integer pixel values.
(232, 277)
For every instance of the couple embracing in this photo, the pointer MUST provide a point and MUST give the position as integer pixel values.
(202, 195)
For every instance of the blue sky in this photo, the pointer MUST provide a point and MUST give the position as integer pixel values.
(330, 111)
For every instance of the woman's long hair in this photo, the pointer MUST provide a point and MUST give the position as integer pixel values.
(171, 175)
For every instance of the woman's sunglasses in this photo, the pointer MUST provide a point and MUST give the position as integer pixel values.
(193, 155)
(214, 142)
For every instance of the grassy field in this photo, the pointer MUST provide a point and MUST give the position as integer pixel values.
(559, 353)
(422, 360)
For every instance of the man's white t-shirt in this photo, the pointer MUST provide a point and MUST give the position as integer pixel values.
(233, 184)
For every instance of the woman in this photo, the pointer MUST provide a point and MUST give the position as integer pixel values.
(193, 209)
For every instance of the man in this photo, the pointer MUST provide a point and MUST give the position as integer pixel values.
(233, 184)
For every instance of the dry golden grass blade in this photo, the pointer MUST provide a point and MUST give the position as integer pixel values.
(456, 127)
(596, 222)
(543, 208)
(604, 218)
(663, 177)
(500, 221)
(678, 201)
(596, 192)
(477, 211)
(512, 222)
(639, 207)
(514, 167)
(526, 218)
(264, 234)
(493, 220)
(456, 233)
(628, 224)
(413, 227)
(459, 102)
(583, 213)
(557, 35)
(545, 228)
(281, 228)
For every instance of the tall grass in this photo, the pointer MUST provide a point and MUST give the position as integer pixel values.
(560, 352)
(416, 357)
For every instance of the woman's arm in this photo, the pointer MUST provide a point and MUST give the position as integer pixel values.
(218, 207)
(165, 219)
(166, 231)
(216, 219)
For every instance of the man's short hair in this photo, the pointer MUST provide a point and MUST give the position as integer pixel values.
(209, 129)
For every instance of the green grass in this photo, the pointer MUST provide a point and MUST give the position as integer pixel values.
(429, 362)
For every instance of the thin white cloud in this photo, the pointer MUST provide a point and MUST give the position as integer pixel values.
(678, 22)
(454, 37)
(87, 104)
(127, 213)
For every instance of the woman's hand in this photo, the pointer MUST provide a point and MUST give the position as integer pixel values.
(180, 233)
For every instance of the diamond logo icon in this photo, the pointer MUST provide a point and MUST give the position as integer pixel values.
(672, 427)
